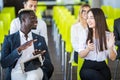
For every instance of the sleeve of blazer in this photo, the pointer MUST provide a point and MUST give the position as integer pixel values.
(8, 57)
(117, 31)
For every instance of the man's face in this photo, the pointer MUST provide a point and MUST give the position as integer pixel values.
(31, 21)
(30, 4)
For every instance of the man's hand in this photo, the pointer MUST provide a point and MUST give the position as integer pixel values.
(36, 52)
(26, 45)
(39, 52)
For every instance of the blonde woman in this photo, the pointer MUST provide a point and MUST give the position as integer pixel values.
(78, 28)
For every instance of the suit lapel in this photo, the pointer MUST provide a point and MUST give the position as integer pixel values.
(17, 39)
(35, 43)
(38, 43)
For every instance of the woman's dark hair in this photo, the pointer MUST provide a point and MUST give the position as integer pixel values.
(100, 28)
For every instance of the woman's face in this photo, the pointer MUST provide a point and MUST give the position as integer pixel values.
(90, 20)
(84, 12)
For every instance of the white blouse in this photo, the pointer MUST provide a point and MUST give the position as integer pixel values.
(78, 39)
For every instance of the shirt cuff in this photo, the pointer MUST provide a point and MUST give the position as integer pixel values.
(19, 53)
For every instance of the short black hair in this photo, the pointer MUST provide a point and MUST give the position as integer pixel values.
(23, 13)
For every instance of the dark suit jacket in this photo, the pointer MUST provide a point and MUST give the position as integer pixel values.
(117, 35)
(10, 55)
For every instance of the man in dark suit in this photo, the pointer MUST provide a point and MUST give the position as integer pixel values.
(117, 35)
(20, 46)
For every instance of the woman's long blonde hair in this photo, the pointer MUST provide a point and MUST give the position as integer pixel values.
(80, 19)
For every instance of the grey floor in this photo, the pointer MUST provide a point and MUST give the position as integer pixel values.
(115, 71)
(57, 75)
(56, 60)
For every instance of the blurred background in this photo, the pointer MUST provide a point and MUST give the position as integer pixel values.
(59, 16)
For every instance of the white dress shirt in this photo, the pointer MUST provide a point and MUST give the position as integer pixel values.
(41, 28)
(17, 73)
(78, 39)
(27, 53)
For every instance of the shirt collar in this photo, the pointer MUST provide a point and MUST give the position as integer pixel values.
(29, 34)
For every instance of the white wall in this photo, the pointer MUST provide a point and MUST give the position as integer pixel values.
(98, 3)
(113, 3)
(1, 4)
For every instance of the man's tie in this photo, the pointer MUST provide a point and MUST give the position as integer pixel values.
(26, 36)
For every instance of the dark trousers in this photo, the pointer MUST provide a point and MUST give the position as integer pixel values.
(92, 70)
